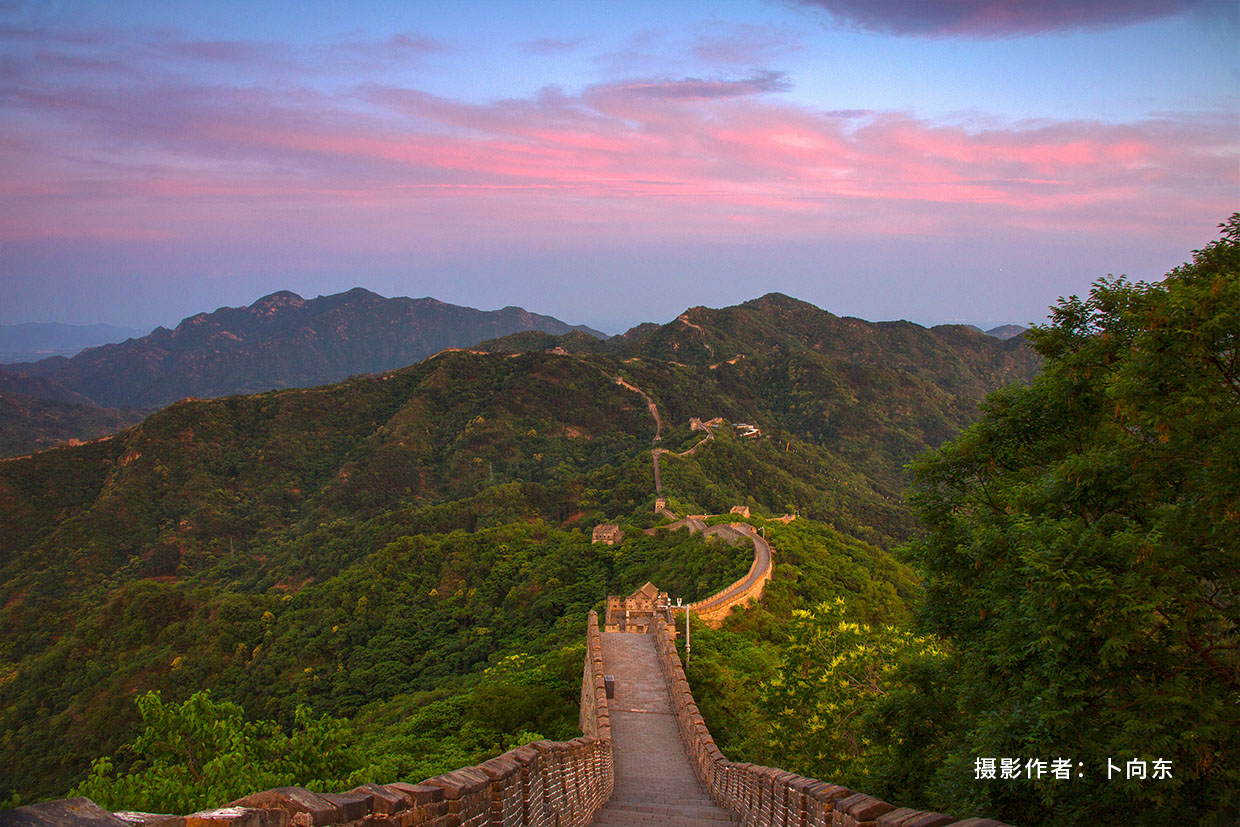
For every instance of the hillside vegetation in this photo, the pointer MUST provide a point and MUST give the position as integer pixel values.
(370, 548)
(1078, 601)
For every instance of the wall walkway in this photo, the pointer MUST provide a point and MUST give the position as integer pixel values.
(654, 781)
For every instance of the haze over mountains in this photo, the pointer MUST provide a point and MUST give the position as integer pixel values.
(31, 341)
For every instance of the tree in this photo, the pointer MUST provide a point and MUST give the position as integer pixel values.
(202, 753)
(829, 697)
(1082, 557)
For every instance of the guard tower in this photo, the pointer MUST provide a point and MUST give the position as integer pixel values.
(636, 613)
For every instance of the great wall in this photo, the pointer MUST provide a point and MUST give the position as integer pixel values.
(645, 756)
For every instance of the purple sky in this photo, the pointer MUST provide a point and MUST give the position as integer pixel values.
(608, 163)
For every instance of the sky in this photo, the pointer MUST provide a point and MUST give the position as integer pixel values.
(609, 163)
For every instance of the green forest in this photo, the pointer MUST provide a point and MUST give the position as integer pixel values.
(1076, 597)
(1009, 549)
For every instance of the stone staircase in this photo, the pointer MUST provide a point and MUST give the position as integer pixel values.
(655, 784)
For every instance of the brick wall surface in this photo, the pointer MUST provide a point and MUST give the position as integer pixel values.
(767, 797)
(543, 784)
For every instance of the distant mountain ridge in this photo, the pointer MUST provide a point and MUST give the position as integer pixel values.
(280, 341)
(31, 341)
(1006, 331)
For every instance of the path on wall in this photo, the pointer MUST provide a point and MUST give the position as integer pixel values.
(717, 604)
(658, 427)
(760, 570)
(658, 430)
(658, 452)
(655, 784)
(654, 410)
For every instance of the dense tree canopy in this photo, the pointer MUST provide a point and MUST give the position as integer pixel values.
(1082, 557)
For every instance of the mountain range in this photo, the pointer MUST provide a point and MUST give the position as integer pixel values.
(279, 341)
(167, 541)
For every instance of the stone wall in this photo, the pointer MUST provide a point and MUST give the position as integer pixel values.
(712, 610)
(541, 784)
(766, 797)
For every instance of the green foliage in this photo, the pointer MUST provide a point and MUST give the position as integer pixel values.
(1082, 555)
(835, 684)
(421, 613)
(370, 548)
(202, 753)
(746, 674)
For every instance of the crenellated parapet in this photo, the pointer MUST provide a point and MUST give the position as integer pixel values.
(540, 784)
(767, 797)
(712, 610)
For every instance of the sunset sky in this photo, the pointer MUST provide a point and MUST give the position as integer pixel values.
(608, 162)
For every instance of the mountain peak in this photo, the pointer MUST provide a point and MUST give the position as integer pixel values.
(280, 298)
(782, 301)
(281, 341)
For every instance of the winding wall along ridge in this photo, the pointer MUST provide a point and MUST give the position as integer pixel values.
(712, 610)
(553, 783)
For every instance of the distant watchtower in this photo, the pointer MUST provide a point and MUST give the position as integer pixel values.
(607, 533)
(660, 503)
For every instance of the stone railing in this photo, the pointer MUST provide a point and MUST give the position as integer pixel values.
(541, 784)
(766, 797)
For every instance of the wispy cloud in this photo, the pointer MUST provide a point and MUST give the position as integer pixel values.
(699, 89)
(551, 46)
(635, 159)
(995, 18)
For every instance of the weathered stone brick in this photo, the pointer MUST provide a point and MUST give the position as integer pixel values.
(71, 812)
(869, 810)
(238, 817)
(146, 819)
(383, 801)
(305, 808)
(899, 817)
(421, 795)
(930, 820)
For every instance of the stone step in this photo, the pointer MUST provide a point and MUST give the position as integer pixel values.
(612, 818)
(710, 813)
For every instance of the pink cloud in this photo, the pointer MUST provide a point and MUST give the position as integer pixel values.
(644, 159)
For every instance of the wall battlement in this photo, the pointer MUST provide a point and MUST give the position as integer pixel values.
(768, 797)
(715, 608)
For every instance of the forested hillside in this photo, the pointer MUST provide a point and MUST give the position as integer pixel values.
(347, 545)
(1078, 596)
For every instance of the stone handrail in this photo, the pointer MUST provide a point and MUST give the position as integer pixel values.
(766, 797)
(540, 784)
